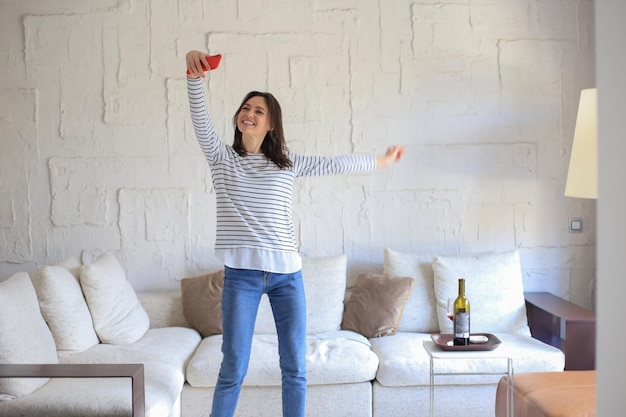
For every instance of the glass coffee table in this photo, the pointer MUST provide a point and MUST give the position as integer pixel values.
(441, 353)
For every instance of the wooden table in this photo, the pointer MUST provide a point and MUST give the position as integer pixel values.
(132, 371)
(548, 314)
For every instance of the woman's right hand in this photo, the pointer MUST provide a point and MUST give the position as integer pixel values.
(195, 61)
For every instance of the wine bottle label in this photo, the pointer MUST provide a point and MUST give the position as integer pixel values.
(461, 325)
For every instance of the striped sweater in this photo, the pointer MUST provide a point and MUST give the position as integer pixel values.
(254, 196)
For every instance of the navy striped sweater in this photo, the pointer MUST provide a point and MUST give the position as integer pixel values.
(254, 196)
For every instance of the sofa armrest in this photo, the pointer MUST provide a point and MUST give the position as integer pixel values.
(133, 371)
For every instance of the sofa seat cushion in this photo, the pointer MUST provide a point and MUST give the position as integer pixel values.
(171, 346)
(332, 358)
(100, 397)
(405, 362)
(532, 355)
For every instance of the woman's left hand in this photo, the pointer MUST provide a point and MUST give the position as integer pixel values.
(393, 154)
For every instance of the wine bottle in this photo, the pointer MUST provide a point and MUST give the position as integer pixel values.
(461, 325)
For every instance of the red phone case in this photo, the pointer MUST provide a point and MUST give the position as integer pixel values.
(214, 62)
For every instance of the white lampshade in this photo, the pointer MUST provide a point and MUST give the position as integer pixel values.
(582, 176)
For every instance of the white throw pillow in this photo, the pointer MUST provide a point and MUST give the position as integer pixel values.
(63, 306)
(117, 314)
(24, 335)
(325, 289)
(493, 285)
(419, 312)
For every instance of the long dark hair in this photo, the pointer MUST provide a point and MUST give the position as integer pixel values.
(274, 146)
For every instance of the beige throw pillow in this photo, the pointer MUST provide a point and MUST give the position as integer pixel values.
(202, 302)
(376, 304)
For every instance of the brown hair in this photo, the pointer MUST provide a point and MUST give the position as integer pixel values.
(274, 146)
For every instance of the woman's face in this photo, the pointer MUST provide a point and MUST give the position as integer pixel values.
(253, 118)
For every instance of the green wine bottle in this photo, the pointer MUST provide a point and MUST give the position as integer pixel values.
(461, 326)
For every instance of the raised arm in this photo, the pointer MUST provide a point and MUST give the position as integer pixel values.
(212, 148)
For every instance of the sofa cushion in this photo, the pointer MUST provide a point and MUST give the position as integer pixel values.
(24, 335)
(117, 315)
(63, 305)
(376, 304)
(493, 285)
(202, 306)
(164, 352)
(165, 308)
(171, 346)
(325, 289)
(405, 362)
(332, 358)
(419, 313)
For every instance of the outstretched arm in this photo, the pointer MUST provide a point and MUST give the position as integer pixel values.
(393, 154)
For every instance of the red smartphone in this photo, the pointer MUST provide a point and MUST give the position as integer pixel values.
(214, 62)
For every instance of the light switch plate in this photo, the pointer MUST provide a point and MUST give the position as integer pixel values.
(575, 225)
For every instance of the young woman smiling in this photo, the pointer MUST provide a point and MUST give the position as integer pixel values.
(253, 181)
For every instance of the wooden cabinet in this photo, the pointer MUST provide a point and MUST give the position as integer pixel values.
(565, 325)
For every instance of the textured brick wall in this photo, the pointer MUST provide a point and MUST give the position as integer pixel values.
(98, 152)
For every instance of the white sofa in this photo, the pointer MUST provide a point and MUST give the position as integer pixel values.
(89, 314)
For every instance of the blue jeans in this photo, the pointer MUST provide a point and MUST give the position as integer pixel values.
(242, 293)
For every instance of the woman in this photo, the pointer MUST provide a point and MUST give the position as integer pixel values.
(253, 181)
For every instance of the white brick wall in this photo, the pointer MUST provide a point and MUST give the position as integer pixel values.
(98, 153)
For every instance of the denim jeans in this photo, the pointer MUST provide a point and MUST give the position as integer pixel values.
(242, 293)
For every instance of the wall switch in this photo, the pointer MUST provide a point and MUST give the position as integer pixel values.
(575, 225)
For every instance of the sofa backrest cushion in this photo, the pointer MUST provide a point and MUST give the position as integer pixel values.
(117, 314)
(63, 305)
(24, 336)
(419, 312)
(325, 289)
(493, 285)
(324, 286)
(164, 308)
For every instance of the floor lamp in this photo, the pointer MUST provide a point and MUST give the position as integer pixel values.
(582, 175)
